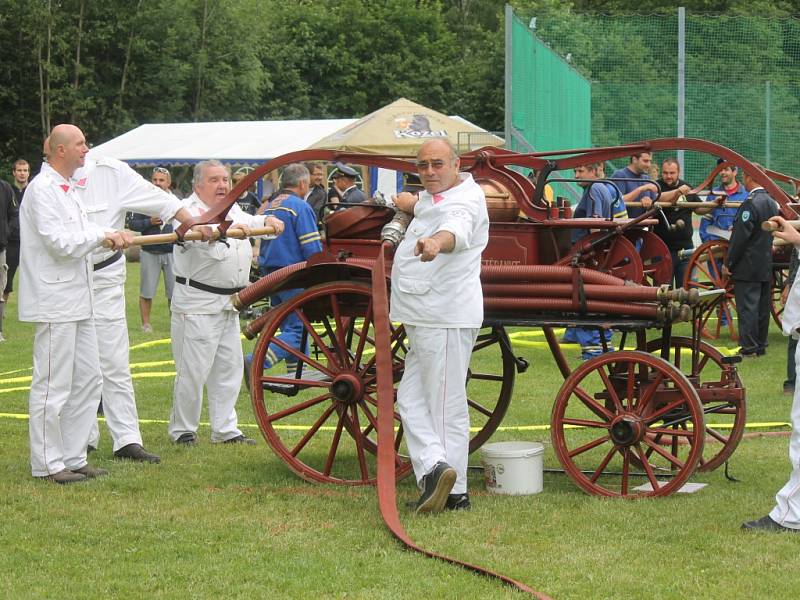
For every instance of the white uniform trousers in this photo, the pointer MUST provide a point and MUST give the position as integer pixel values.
(207, 351)
(787, 500)
(119, 402)
(432, 399)
(65, 392)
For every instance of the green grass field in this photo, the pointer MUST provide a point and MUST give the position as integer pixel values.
(219, 521)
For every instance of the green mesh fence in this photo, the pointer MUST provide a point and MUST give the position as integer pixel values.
(742, 82)
(551, 101)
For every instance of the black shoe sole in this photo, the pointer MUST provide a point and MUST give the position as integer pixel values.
(436, 501)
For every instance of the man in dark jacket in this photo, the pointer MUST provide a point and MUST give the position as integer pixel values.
(7, 204)
(750, 264)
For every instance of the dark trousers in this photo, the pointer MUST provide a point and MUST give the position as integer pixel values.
(791, 372)
(752, 304)
(678, 268)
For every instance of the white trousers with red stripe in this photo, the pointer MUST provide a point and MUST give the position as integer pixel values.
(432, 399)
(208, 352)
(119, 402)
(787, 500)
(65, 392)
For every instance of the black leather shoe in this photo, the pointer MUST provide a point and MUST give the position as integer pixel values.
(436, 487)
(187, 439)
(90, 472)
(138, 453)
(457, 502)
(767, 524)
(240, 439)
(64, 477)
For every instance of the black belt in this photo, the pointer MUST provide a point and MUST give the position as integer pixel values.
(208, 288)
(109, 261)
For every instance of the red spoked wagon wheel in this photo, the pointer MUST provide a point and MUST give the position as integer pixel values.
(622, 411)
(704, 271)
(720, 391)
(616, 256)
(655, 256)
(320, 417)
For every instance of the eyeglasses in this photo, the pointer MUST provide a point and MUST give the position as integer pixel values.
(161, 170)
(423, 165)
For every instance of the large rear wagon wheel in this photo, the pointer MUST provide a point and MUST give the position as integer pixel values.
(622, 411)
(320, 417)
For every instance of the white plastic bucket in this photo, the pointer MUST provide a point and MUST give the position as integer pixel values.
(513, 467)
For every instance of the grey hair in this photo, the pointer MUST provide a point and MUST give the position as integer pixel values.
(293, 175)
(200, 169)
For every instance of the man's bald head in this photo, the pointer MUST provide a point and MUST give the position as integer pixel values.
(67, 149)
(437, 165)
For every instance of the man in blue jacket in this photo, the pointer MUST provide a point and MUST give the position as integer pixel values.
(299, 241)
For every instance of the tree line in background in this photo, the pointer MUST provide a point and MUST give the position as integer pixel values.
(111, 65)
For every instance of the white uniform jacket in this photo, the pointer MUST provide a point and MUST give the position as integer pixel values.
(56, 239)
(445, 292)
(219, 264)
(109, 188)
(790, 319)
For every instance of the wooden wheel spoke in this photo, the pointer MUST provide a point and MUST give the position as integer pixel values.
(612, 391)
(652, 418)
(630, 384)
(312, 430)
(301, 357)
(649, 392)
(676, 433)
(293, 410)
(482, 342)
(648, 468)
(585, 423)
(335, 336)
(603, 464)
(339, 329)
(626, 468)
(717, 435)
(337, 436)
(357, 436)
(363, 337)
(669, 457)
(479, 407)
(332, 361)
(586, 447)
(598, 409)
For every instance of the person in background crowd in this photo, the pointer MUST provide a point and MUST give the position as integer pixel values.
(7, 207)
(344, 186)
(56, 241)
(718, 224)
(618, 208)
(248, 201)
(317, 195)
(205, 324)
(596, 201)
(437, 295)
(785, 515)
(21, 172)
(154, 259)
(749, 263)
(677, 232)
(300, 240)
(642, 189)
